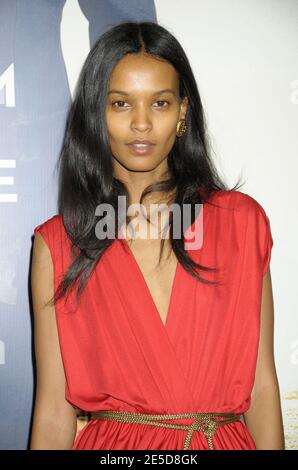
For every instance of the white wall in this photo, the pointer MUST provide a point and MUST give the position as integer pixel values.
(244, 54)
(245, 58)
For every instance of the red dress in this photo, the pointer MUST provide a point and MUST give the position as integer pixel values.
(118, 355)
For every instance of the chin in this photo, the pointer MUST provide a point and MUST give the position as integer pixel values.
(140, 166)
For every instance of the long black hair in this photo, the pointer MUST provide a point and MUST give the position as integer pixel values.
(85, 163)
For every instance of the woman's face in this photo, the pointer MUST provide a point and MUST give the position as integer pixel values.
(138, 109)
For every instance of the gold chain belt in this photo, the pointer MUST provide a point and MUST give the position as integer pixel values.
(205, 422)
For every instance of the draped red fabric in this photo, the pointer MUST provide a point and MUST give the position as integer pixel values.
(118, 355)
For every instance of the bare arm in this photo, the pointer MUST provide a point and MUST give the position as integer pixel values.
(264, 417)
(54, 420)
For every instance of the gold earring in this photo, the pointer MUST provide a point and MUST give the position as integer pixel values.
(181, 127)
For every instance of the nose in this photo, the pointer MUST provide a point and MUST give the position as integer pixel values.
(141, 120)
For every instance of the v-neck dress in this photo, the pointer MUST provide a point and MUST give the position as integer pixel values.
(118, 354)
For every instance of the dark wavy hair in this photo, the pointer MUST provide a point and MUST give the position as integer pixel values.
(85, 163)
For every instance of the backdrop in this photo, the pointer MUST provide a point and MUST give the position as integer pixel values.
(244, 56)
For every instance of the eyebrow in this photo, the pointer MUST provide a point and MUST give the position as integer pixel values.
(166, 90)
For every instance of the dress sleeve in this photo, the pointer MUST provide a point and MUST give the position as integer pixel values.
(268, 246)
(48, 229)
(264, 236)
(43, 230)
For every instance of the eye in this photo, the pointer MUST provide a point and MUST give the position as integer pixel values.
(163, 101)
(115, 102)
(159, 101)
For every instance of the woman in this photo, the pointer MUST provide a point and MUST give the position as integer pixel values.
(166, 349)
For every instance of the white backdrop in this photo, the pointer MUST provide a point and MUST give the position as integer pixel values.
(35, 92)
(245, 58)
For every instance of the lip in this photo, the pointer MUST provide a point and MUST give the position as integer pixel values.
(141, 141)
(146, 149)
(141, 150)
